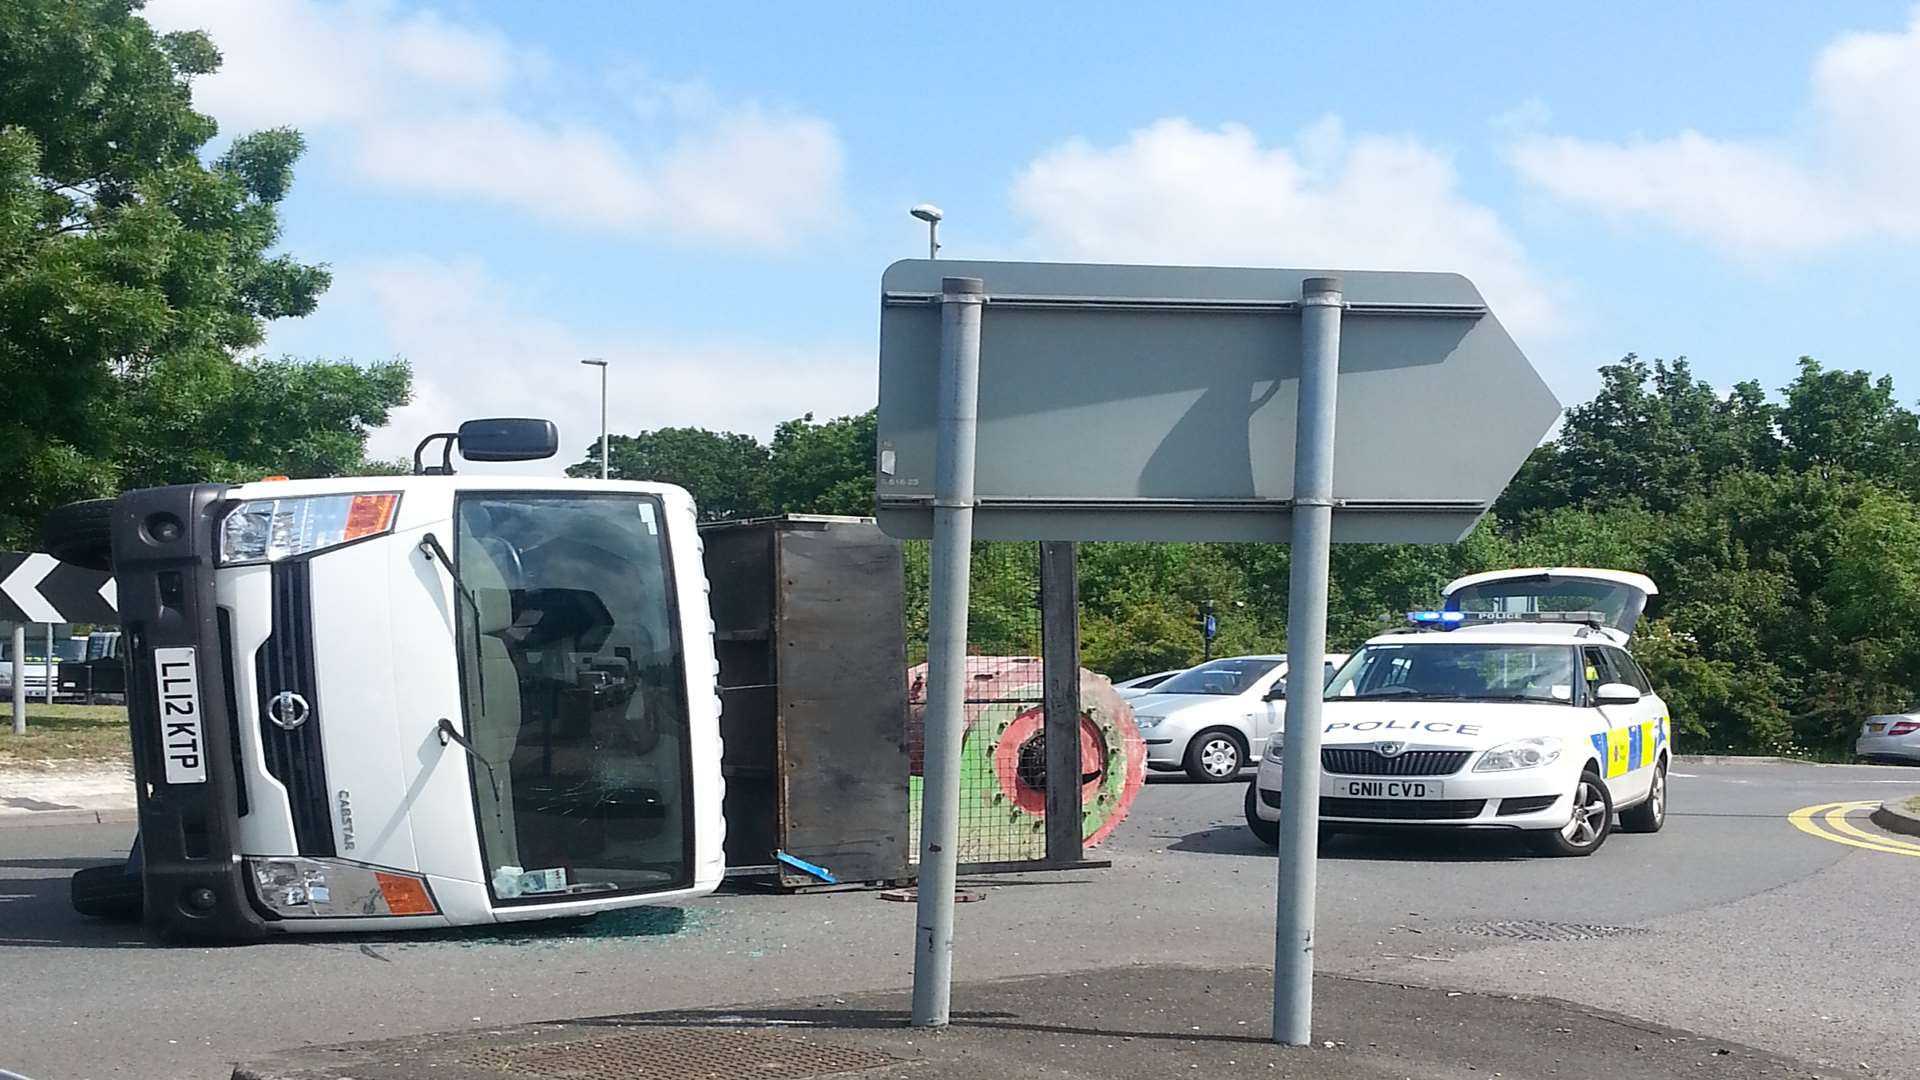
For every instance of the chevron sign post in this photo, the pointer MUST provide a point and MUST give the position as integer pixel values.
(42, 589)
(38, 588)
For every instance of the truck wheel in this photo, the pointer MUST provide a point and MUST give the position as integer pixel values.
(1267, 832)
(107, 892)
(1649, 816)
(81, 533)
(1215, 756)
(1590, 826)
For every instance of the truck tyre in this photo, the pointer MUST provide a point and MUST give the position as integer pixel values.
(107, 892)
(1591, 825)
(81, 534)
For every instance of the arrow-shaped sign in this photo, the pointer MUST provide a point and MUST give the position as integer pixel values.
(35, 587)
(22, 587)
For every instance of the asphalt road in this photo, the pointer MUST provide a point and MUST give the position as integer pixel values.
(1732, 922)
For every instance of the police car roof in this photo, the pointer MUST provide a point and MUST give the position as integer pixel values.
(1505, 633)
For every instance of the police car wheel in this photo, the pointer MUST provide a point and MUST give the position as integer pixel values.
(1215, 756)
(1649, 816)
(81, 534)
(106, 892)
(1267, 832)
(1590, 825)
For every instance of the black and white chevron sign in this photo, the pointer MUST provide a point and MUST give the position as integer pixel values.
(42, 589)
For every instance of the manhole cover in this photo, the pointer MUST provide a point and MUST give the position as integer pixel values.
(682, 1054)
(1536, 930)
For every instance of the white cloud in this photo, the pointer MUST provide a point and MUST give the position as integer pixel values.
(478, 350)
(1175, 192)
(425, 104)
(1849, 179)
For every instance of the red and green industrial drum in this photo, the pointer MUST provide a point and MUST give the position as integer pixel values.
(1003, 759)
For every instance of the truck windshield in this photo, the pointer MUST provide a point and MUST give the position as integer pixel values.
(1457, 671)
(574, 697)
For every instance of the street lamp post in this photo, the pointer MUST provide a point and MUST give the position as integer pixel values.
(930, 214)
(602, 365)
(1208, 627)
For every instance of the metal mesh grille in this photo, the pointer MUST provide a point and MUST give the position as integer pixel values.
(682, 1054)
(1366, 762)
(1002, 811)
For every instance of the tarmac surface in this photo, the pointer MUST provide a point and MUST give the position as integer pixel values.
(1743, 921)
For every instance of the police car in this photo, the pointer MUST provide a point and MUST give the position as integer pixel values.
(1516, 706)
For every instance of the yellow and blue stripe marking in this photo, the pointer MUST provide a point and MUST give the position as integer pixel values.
(1629, 748)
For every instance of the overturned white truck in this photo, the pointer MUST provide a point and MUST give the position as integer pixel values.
(438, 699)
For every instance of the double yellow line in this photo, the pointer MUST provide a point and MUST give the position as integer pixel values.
(1832, 824)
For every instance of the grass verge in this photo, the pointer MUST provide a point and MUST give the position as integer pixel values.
(61, 734)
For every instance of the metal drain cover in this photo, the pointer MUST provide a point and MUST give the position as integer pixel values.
(1537, 930)
(683, 1054)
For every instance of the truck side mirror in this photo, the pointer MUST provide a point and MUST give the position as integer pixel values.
(508, 439)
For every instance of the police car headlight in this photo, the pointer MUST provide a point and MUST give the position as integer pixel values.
(297, 888)
(268, 530)
(1520, 754)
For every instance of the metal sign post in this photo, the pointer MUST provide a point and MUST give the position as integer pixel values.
(951, 559)
(1151, 403)
(1306, 653)
(19, 671)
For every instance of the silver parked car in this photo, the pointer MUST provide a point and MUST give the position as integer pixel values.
(1144, 684)
(1893, 738)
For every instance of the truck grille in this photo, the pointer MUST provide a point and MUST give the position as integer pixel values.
(1368, 762)
(285, 663)
(228, 691)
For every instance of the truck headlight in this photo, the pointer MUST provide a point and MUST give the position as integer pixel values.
(1521, 754)
(268, 530)
(298, 888)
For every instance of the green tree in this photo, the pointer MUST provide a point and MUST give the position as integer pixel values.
(133, 273)
(1654, 433)
(726, 472)
(823, 468)
(1848, 421)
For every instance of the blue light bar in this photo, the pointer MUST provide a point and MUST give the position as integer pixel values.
(1436, 618)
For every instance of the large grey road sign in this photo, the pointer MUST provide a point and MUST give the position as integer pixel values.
(1158, 403)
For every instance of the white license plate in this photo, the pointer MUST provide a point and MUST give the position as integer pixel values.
(1390, 789)
(181, 737)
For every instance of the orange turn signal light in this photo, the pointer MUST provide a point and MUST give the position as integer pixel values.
(405, 895)
(370, 515)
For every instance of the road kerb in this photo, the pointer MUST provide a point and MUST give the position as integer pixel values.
(1894, 816)
(35, 819)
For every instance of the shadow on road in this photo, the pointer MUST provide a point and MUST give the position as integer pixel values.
(1408, 845)
(1182, 778)
(35, 913)
(857, 1019)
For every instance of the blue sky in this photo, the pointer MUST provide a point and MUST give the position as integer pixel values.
(707, 198)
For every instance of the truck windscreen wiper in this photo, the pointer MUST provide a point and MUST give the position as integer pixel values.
(430, 546)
